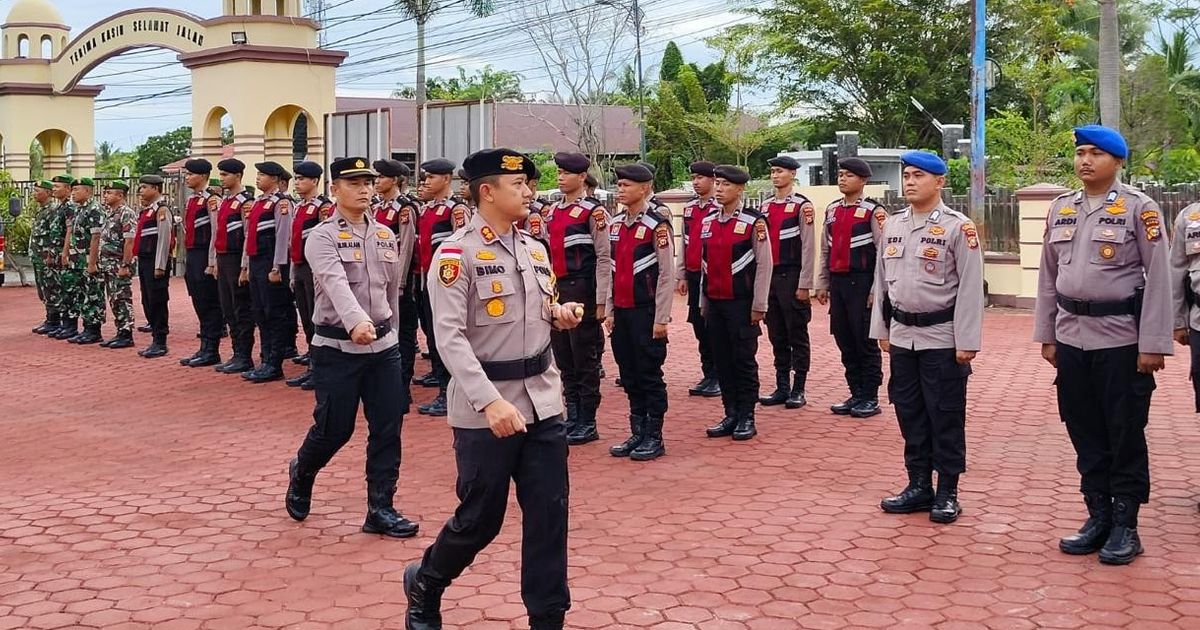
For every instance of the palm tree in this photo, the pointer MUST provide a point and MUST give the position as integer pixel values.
(1110, 65)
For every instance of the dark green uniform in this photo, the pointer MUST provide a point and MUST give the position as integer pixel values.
(42, 221)
(86, 290)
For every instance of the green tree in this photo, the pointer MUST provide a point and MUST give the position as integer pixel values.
(690, 92)
(716, 82)
(156, 151)
(672, 63)
(489, 84)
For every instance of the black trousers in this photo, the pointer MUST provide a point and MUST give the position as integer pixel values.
(340, 381)
(1105, 403)
(640, 359)
(696, 319)
(850, 323)
(235, 303)
(272, 309)
(202, 288)
(1194, 345)
(577, 351)
(735, 339)
(409, 316)
(302, 274)
(537, 462)
(425, 314)
(929, 390)
(787, 324)
(155, 295)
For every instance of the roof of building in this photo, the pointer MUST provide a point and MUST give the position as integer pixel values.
(34, 11)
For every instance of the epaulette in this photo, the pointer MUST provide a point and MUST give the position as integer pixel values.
(658, 214)
(874, 204)
(798, 197)
(587, 204)
(1136, 192)
(246, 194)
(323, 200)
(956, 214)
(593, 200)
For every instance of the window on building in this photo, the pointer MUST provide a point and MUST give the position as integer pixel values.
(22, 46)
(47, 47)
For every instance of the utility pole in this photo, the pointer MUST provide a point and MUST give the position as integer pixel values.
(978, 112)
(636, 15)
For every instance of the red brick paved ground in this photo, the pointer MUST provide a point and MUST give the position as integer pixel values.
(139, 493)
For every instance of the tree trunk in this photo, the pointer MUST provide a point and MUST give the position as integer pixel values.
(421, 17)
(1110, 65)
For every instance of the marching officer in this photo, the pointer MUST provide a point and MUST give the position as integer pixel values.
(790, 217)
(688, 274)
(929, 288)
(198, 216)
(117, 261)
(639, 309)
(494, 291)
(738, 265)
(268, 224)
(225, 264)
(152, 243)
(579, 253)
(440, 217)
(399, 211)
(88, 294)
(355, 356)
(845, 275)
(39, 232)
(1104, 319)
(311, 210)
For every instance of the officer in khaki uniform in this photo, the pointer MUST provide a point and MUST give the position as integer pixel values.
(1104, 318)
(1185, 274)
(493, 289)
(929, 318)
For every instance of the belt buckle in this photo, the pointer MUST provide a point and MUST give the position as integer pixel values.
(1083, 308)
(530, 365)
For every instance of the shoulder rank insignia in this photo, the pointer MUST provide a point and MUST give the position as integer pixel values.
(488, 234)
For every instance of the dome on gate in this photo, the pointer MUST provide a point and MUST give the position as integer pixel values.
(34, 11)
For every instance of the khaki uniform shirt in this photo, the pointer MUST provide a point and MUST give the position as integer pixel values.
(927, 265)
(491, 294)
(356, 278)
(1104, 252)
(1185, 266)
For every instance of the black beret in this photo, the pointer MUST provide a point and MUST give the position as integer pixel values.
(572, 162)
(635, 173)
(858, 166)
(347, 168)
(309, 169)
(439, 166)
(391, 168)
(731, 174)
(590, 181)
(153, 180)
(198, 166)
(271, 168)
(784, 161)
(231, 165)
(498, 162)
(704, 168)
(462, 174)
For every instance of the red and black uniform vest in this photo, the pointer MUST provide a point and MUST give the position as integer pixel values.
(436, 224)
(784, 220)
(728, 255)
(309, 214)
(260, 225)
(145, 236)
(388, 212)
(229, 234)
(535, 223)
(848, 234)
(569, 231)
(197, 224)
(635, 258)
(694, 214)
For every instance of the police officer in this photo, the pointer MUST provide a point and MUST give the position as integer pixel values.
(268, 225)
(198, 216)
(1185, 255)
(845, 275)
(225, 264)
(689, 271)
(152, 243)
(440, 217)
(1104, 318)
(790, 217)
(639, 309)
(39, 228)
(929, 286)
(493, 289)
(355, 356)
(117, 262)
(312, 208)
(399, 211)
(290, 351)
(56, 230)
(87, 296)
(579, 252)
(464, 188)
(738, 265)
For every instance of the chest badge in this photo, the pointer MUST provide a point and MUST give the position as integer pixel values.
(358, 254)
(389, 254)
(860, 213)
(937, 230)
(1107, 251)
(1194, 216)
(576, 212)
(497, 287)
(890, 251)
(930, 253)
(483, 254)
(640, 233)
(930, 267)
(495, 307)
(538, 256)
(739, 228)
(344, 236)
(383, 234)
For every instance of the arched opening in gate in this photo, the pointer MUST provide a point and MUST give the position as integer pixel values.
(50, 153)
(218, 137)
(289, 134)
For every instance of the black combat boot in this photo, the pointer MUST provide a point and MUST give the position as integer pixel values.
(547, 622)
(435, 407)
(635, 437)
(156, 349)
(1094, 533)
(866, 408)
(382, 518)
(572, 418)
(269, 370)
(796, 398)
(429, 380)
(69, 329)
(1123, 544)
(781, 393)
(652, 446)
(145, 328)
(708, 387)
(290, 352)
(424, 600)
(725, 427)
(240, 362)
(745, 428)
(90, 335)
(185, 361)
(945, 507)
(916, 497)
(209, 354)
(845, 407)
(299, 492)
(124, 339)
(309, 384)
(48, 326)
(297, 381)
(585, 428)
(301, 360)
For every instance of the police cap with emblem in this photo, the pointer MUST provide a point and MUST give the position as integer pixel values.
(703, 168)
(198, 166)
(351, 167)
(924, 160)
(84, 181)
(152, 180)
(274, 169)
(784, 161)
(731, 174)
(577, 163)
(858, 166)
(1103, 138)
(635, 173)
(117, 184)
(231, 165)
(391, 168)
(501, 161)
(439, 166)
(311, 170)
(63, 179)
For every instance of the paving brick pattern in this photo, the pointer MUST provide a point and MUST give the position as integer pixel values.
(140, 494)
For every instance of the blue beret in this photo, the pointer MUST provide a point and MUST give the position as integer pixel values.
(703, 168)
(925, 161)
(391, 168)
(1103, 138)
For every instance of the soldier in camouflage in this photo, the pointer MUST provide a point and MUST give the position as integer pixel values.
(83, 249)
(42, 219)
(58, 250)
(117, 261)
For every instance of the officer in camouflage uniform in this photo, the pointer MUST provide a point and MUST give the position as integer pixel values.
(87, 288)
(117, 262)
(46, 208)
(57, 250)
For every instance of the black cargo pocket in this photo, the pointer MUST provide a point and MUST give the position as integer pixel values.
(952, 395)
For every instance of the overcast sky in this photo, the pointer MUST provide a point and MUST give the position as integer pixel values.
(454, 39)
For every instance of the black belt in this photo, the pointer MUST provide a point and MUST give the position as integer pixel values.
(1085, 308)
(339, 333)
(783, 270)
(921, 320)
(517, 369)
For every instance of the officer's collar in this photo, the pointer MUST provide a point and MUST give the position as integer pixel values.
(487, 233)
(337, 217)
(934, 216)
